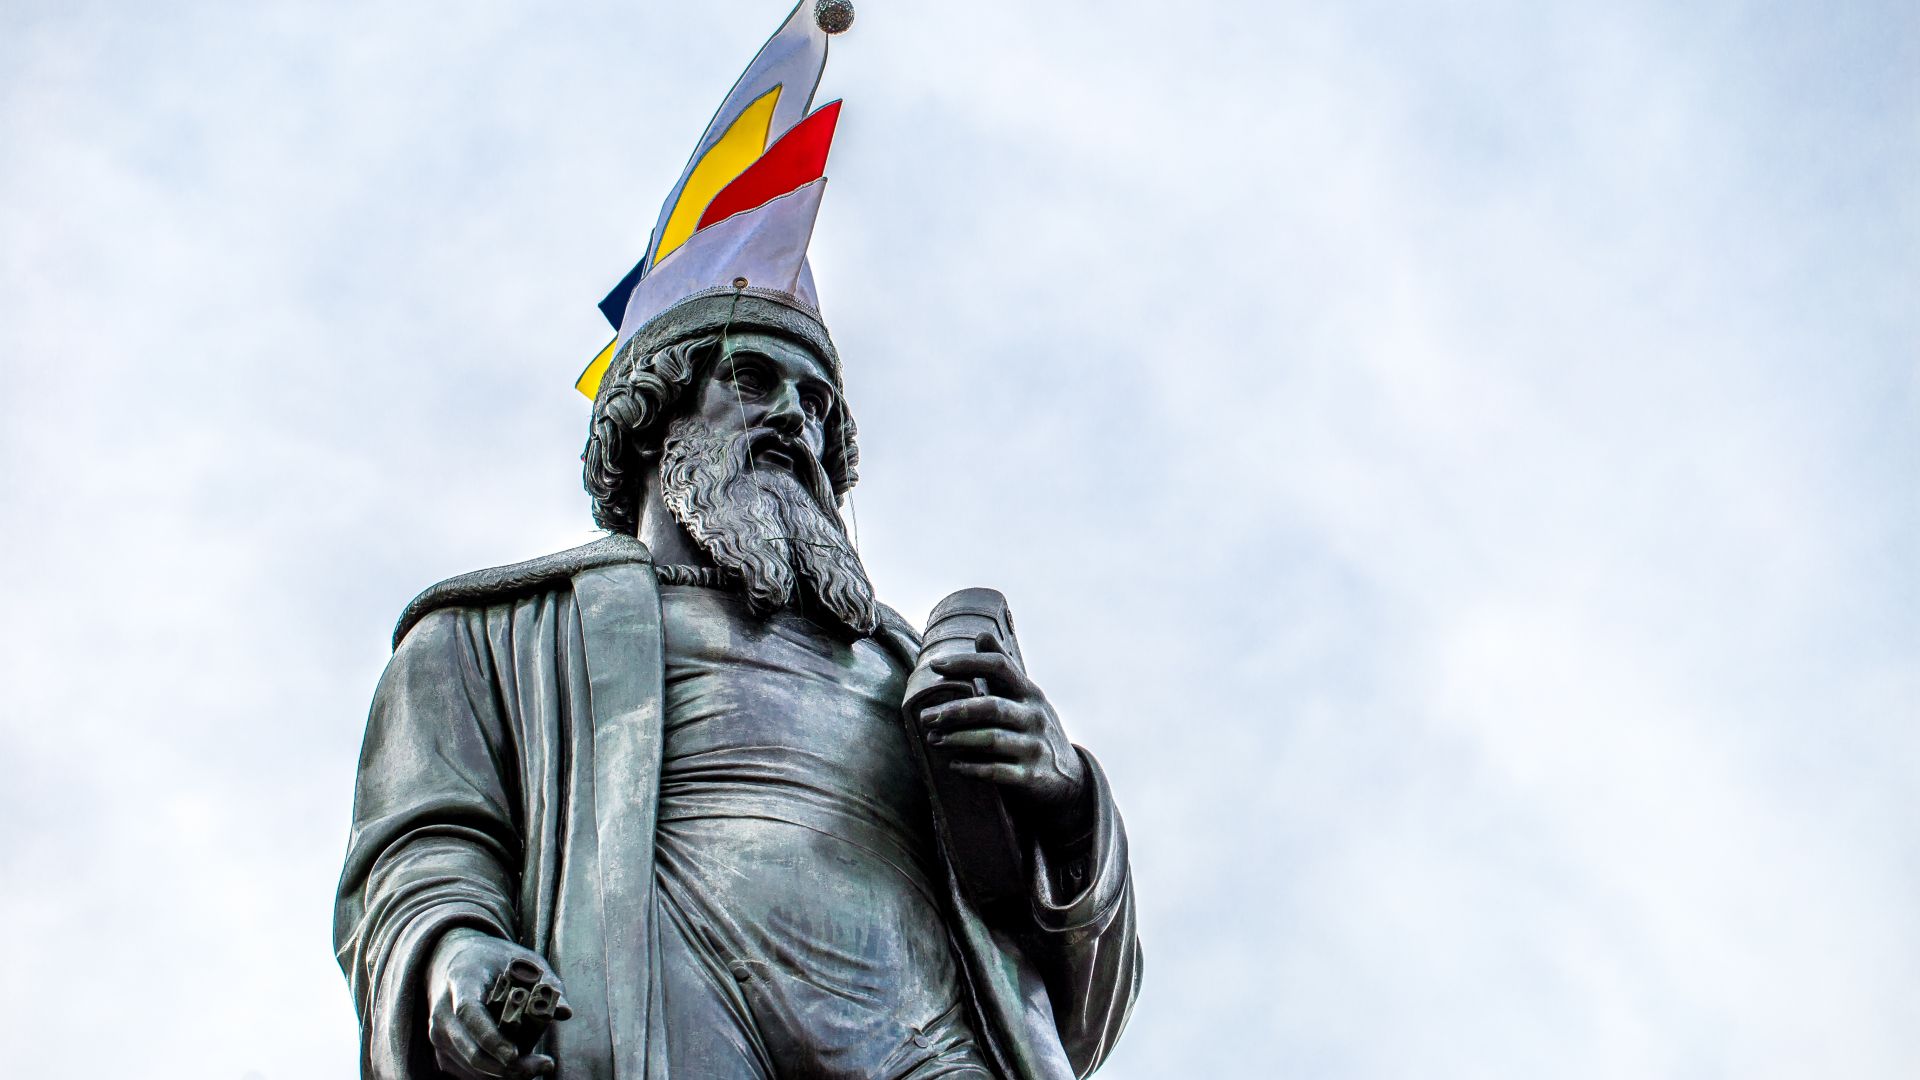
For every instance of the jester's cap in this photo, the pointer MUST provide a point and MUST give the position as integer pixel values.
(741, 217)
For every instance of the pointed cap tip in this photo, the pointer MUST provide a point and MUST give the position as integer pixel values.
(834, 16)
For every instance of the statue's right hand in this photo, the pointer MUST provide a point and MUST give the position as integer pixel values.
(467, 1042)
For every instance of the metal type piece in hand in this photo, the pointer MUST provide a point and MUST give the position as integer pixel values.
(523, 1003)
(988, 852)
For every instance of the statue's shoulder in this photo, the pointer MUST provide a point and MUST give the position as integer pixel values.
(896, 635)
(503, 583)
(895, 625)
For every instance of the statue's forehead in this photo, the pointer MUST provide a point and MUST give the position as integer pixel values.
(779, 347)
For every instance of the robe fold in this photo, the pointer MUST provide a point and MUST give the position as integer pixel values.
(509, 782)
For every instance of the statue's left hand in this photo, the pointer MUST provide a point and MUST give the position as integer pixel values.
(1011, 736)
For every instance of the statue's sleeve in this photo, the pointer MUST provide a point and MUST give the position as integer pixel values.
(1086, 945)
(433, 835)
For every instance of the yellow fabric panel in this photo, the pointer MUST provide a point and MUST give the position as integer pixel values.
(589, 381)
(740, 147)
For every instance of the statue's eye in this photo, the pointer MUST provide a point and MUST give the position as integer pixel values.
(748, 379)
(815, 402)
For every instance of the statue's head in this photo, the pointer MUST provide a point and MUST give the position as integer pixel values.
(733, 405)
(723, 306)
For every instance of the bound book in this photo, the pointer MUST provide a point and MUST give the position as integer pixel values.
(984, 843)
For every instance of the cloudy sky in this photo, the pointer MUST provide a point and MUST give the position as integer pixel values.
(1458, 465)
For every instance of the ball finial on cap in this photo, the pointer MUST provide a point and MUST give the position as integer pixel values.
(834, 16)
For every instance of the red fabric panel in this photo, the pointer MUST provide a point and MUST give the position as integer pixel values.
(798, 159)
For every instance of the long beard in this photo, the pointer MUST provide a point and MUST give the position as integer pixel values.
(778, 533)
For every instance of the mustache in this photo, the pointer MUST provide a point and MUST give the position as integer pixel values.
(764, 448)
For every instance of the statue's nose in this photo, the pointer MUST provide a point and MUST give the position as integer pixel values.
(785, 415)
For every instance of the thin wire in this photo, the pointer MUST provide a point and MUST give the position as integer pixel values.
(806, 543)
(733, 372)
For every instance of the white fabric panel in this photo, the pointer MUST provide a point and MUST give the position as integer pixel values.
(767, 246)
(794, 57)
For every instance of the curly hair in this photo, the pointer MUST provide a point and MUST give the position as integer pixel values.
(640, 395)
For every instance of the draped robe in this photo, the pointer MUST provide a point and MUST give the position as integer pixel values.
(509, 783)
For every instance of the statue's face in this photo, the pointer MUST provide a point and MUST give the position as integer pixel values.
(740, 470)
(773, 389)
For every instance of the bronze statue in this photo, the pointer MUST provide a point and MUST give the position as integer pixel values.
(654, 808)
